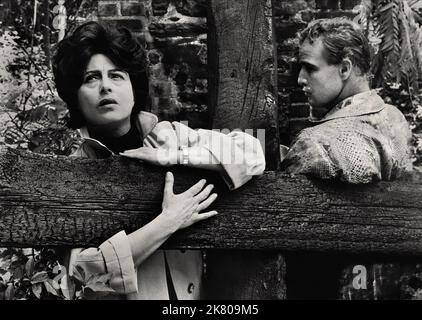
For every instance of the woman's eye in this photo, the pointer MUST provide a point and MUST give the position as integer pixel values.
(91, 78)
(117, 76)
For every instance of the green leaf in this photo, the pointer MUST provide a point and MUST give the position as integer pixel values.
(67, 287)
(52, 115)
(79, 274)
(10, 292)
(99, 287)
(18, 272)
(49, 285)
(99, 282)
(37, 114)
(39, 277)
(6, 277)
(99, 277)
(58, 104)
(11, 97)
(29, 266)
(417, 295)
(37, 289)
(78, 294)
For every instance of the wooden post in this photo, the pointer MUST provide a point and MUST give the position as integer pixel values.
(244, 98)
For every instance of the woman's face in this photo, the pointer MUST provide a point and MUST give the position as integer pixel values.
(105, 97)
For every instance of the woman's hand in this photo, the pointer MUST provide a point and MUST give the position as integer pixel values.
(183, 209)
(157, 156)
(179, 211)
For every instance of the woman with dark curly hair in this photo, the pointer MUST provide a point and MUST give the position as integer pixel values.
(100, 73)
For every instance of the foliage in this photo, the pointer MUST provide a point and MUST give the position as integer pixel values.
(28, 274)
(399, 58)
(31, 114)
(33, 117)
(23, 17)
(411, 106)
(395, 31)
(411, 286)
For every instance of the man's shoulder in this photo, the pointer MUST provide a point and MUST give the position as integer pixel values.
(393, 112)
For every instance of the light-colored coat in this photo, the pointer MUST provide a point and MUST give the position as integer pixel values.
(361, 140)
(241, 157)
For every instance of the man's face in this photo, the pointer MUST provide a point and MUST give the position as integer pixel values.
(320, 81)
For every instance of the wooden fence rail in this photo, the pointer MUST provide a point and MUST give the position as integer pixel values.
(52, 201)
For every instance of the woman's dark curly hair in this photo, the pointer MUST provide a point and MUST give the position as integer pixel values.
(74, 52)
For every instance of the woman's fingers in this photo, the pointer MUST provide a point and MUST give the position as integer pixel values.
(204, 193)
(143, 153)
(196, 188)
(206, 215)
(131, 152)
(169, 183)
(205, 204)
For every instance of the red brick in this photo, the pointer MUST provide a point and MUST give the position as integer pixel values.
(299, 110)
(132, 24)
(192, 8)
(132, 9)
(349, 4)
(107, 9)
(287, 29)
(297, 96)
(177, 29)
(159, 7)
(289, 8)
(327, 4)
(296, 125)
(335, 14)
(286, 80)
(307, 15)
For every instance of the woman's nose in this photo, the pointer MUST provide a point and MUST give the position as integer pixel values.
(105, 85)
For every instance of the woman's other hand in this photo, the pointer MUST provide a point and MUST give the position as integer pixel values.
(183, 209)
(157, 156)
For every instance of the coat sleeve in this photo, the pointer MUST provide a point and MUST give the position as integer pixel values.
(113, 256)
(352, 159)
(239, 154)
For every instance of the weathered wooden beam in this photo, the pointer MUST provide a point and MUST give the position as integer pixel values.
(53, 201)
(242, 57)
(243, 50)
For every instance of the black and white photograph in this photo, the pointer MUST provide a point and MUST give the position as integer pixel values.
(229, 152)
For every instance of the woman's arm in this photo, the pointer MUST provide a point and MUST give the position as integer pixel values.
(121, 254)
(179, 211)
(237, 155)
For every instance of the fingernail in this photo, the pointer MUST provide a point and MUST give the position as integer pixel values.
(211, 186)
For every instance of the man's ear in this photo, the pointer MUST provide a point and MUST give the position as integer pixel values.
(346, 67)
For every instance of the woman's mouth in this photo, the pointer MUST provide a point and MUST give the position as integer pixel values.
(106, 102)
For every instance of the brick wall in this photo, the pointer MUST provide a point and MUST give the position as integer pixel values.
(176, 33)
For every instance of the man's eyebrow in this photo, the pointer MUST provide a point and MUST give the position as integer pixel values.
(307, 64)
